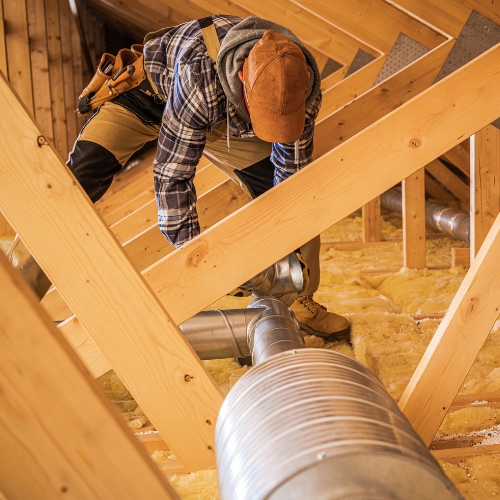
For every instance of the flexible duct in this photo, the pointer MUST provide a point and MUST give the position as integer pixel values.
(312, 423)
(445, 219)
(274, 330)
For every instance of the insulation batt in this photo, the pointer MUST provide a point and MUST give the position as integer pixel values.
(385, 338)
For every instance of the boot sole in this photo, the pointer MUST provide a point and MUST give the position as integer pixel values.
(343, 334)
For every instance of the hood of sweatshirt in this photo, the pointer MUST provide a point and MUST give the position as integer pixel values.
(235, 47)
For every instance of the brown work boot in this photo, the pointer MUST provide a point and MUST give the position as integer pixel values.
(316, 320)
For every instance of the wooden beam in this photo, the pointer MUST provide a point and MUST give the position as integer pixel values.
(398, 145)
(447, 178)
(450, 15)
(56, 77)
(337, 125)
(414, 220)
(437, 192)
(103, 288)
(454, 455)
(147, 215)
(46, 454)
(378, 23)
(18, 52)
(349, 88)
(459, 157)
(150, 246)
(486, 182)
(460, 257)
(371, 220)
(333, 79)
(456, 343)
(42, 93)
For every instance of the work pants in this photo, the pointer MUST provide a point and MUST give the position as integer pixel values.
(116, 131)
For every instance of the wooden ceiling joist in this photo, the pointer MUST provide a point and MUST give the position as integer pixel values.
(104, 289)
(78, 445)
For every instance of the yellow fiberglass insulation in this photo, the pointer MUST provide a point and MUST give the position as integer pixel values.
(385, 337)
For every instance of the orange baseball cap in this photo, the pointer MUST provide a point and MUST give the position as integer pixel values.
(276, 80)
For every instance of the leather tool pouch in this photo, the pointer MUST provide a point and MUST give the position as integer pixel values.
(114, 76)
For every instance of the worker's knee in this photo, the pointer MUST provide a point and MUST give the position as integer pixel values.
(94, 167)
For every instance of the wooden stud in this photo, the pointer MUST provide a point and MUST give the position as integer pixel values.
(460, 257)
(56, 77)
(456, 343)
(42, 93)
(414, 220)
(18, 52)
(334, 127)
(371, 220)
(6, 230)
(60, 451)
(100, 284)
(486, 183)
(447, 178)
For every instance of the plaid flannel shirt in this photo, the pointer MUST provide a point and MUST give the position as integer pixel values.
(179, 65)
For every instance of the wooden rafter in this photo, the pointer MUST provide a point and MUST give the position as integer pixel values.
(377, 23)
(100, 284)
(456, 343)
(60, 449)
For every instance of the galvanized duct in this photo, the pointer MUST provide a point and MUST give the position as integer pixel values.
(445, 219)
(219, 334)
(282, 278)
(274, 330)
(312, 423)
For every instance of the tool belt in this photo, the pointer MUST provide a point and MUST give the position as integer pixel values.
(114, 76)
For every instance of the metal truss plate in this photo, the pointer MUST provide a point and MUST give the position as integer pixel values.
(477, 36)
(330, 67)
(403, 53)
(361, 59)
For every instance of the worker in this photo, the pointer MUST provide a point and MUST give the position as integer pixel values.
(243, 92)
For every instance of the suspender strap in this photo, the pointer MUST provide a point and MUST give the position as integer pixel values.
(210, 38)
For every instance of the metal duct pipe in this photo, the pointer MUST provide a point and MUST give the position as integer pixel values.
(274, 330)
(282, 278)
(219, 334)
(445, 219)
(312, 423)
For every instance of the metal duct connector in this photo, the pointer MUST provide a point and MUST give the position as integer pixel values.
(282, 278)
(219, 334)
(312, 423)
(445, 219)
(274, 330)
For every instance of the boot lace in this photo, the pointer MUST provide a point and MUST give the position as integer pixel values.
(311, 304)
